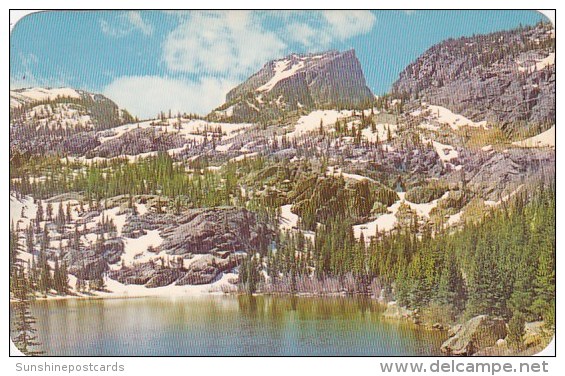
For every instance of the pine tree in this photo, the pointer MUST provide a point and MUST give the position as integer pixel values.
(21, 320)
(516, 330)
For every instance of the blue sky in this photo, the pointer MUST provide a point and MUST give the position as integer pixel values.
(149, 61)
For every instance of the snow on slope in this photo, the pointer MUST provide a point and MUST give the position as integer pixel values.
(445, 152)
(25, 206)
(136, 249)
(311, 122)
(240, 158)
(190, 130)
(119, 290)
(539, 65)
(381, 131)
(332, 170)
(385, 222)
(543, 139)
(17, 98)
(455, 121)
(119, 131)
(288, 220)
(282, 71)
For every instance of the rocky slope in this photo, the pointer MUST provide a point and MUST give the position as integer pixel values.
(506, 78)
(62, 120)
(327, 80)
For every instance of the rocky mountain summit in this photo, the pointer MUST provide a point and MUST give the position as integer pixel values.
(506, 78)
(327, 80)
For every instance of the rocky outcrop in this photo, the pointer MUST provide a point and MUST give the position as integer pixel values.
(506, 78)
(207, 268)
(138, 274)
(204, 270)
(501, 174)
(163, 277)
(138, 141)
(536, 338)
(328, 80)
(478, 333)
(209, 230)
(91, 262)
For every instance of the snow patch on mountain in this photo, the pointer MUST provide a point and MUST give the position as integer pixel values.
(544, 139)
(455, 121)
(36, 94)
(381, 133)
(288, 219)
(311, 122)
(538, 65)
(282, 71)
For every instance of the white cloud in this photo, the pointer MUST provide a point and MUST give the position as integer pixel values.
(347, 24)
(235, 43)
(308, 36)
(220, 43)
(127, 23)
(146, 96)
(138, 23)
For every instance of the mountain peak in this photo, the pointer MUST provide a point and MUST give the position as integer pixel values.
(312, 80)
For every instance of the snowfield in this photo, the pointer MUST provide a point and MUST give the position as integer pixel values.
(282, 71)
(288, 220)
(445, 152)
(544, 139)
(384, 222)
(336, 171)
(135, 250)
(17, 98)
(455, 121)
(539, 64)
(240, 158)
(311, 122)
(381, 132)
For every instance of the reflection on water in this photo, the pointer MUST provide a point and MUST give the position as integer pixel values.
(227, 325)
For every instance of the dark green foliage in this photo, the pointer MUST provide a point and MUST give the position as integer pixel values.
(22, 322)
(516, 330)
(155, 175)
(426, 193)
(323, 199)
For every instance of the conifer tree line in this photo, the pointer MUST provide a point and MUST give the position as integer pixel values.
(155, 176)
(502, 265)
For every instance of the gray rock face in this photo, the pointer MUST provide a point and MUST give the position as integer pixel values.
(139, 274)
(204, 270)
(332, 79)
(488, 77)
(85, 264)
(211, 230)
(502, 173)
(91, 262)
(478, 333)
(163, 277)
(138, 141)
(112, 250)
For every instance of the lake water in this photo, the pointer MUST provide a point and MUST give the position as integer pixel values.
(227, 325)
